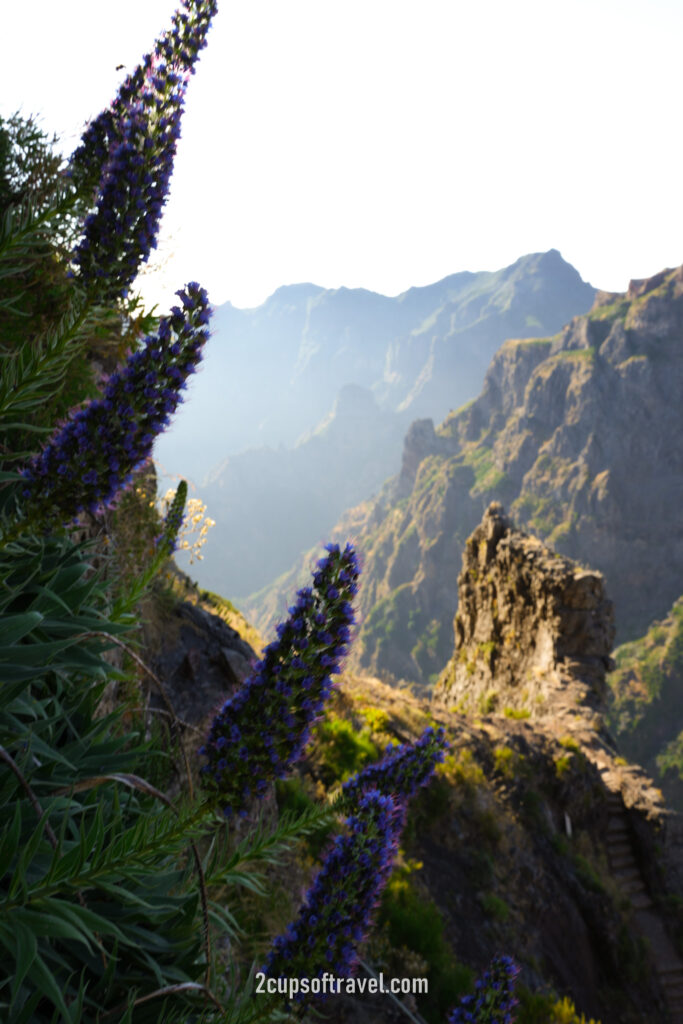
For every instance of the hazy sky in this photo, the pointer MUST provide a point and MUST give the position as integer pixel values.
(388, 143)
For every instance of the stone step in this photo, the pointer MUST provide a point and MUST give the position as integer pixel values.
(669, 969)
(617, 827)
(640, 900)
(633, 888)
(622, 862)
(619, 847)
(625, 875)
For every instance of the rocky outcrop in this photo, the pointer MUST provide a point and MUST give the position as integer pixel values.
(201, 663)
(533, 631)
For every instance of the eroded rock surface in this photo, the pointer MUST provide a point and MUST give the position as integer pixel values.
(533, 631)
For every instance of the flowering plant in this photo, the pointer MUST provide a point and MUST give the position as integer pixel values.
(338, 909)
(260, 732)
(93, 454)
(495, 999)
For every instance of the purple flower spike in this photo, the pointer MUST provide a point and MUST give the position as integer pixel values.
(495, 999)
(92, 455)
(403, 770)
(267, 723)
(339, 908)
(125, 159)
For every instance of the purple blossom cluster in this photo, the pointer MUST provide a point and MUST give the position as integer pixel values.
(495, 999)
(403, 769)
(339, 907)
(126, 156)
(260, 732)
(93, 454)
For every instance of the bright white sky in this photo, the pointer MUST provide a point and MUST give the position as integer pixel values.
(388, 143)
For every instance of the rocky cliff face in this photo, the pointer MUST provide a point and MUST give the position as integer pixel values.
(646, 707)
(533, 631)
(579, 435)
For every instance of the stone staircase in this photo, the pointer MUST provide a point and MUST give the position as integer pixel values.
(628, 876)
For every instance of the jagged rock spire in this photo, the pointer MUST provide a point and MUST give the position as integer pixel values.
(531, 626)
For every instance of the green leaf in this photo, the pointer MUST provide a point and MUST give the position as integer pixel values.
(87, 920)
(26, 952)
(46, 983)
(14, 627)
(51, 921)
(9, 843)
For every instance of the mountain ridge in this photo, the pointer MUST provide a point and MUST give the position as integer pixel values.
(273, 372)
(563, 428)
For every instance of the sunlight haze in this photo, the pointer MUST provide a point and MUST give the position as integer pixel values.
(384, 145)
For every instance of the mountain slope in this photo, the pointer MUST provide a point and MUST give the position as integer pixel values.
(580, 434)
(269, 505)
(273, 372)
(646, 711)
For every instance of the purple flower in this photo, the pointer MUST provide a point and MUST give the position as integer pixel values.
(126, 155)
(402, 771)
(92, 455)
(274, 710)
(338, 909)
(495, 998)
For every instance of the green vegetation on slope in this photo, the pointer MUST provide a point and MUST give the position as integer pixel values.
(645, 714)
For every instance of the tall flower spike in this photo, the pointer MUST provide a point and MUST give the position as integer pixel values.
(261, 731)
(168, 538)
(339, 908)
(495, 999)
(176, 49)
(93, 454)
(126, 157)
(402, 771)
